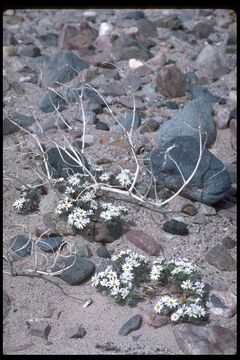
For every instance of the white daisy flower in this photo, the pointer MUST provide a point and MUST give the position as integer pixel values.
(154, 274)
(127, 267)
(200, 311)
(158, 307)
(106, 215)
(104, 282)
(175, 316)
(176, 270)
(186, 285)
(172, 303)
(71, 218)
(81, 222)
(80, 212)
(113, 283)
(124, 292)
(124, 179)
(18, 204)
(88, 196)
(115, 291)
(105, 176)
(95, 280)
(73, 180)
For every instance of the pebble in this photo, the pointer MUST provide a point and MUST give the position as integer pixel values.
(222, 118)
(202, 29)
(171, 82)
(90, 116)
(39, 327)
(222, 303)
(103, 252)
(229, 243)
(189, 209)
(135, 64)
(51, 244)
(6, 304)
(52, 101)
(105, 29)
(134, 323)
(175, 227)
(150, 126)
(76, 332)
(107, 233)
(102, 126)
(82, 249)
(153, 319)
(80, 269)
(21, 245)
(203, 340)
(219, 257)
(125, 47)
(127, 121)
(30, 51)
(205, 209)
(144, 242)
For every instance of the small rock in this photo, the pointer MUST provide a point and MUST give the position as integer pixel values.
(132, 15)
(150, 126)
(222, 303)
(52, 101)
(171, 82)
(171, 105)
(107, 233)
(127, 122)
(82, 249)
(212, 61)
(171, 22)
(103, 252)
(79, 269)
(135, 64)
(232, 39)
(114, 89)
(175, 227)
(22, 120)
(219, 257)
(6, 305)
(205, 209)
(18, 88)
(125, 47)
(127, 102)
(39, 327)
(49, 39)
(62, 68)
(105, 29)
(222, 118)
(90, 117)
(153, 319)
(76, 332)
(233, 114)
(30, 51)
(202, 340)
(134, 323)
(21, 245)
(51, 244)
(144, 242)
(202, 30)
(189, 209)
(198, 92)
(102, 126)
(229, 243)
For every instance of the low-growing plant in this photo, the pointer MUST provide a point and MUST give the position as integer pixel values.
(129, 270)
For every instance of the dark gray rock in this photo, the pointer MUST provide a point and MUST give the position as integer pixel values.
(132, 15)
(171, 22)
(134, 323)
(6, 305)
(5, 85)
(49, 39)
(59, 164)
(103, 252)
(197, 112)
(126, 47)
(30, 51)
(102, 126)
(80, 269)
(51, 244)
(39, 327)
(202, 340)
(21, 120)
(127, 121)
(63, 67)
(189, 209)
(198, 92)
(211, 182)
(219, 257)
(171, 81)
(191, 78)
(232, 39)
(114, 89)
(229, 243)
(202, 29)
(233, 114)
(52, 100)
(175, 227)
(76, 332)
(20, 245)
(171, 105)
(146, 28)
(106, 233)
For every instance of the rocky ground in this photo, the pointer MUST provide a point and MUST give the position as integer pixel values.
(182, 68)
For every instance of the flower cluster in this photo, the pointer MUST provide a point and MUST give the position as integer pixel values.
(129, 270)
(120, 279)
(81, 204)
(183, 274)
(29, 198)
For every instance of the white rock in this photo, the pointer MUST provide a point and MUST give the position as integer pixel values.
(105, 29)
(134, 64)
(90, 14)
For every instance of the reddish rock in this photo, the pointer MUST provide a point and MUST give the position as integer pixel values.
(144, 242)
(73, 38)
(222, 303)
(39, 327)
(76, 332)
(171, 81)
(153, 319)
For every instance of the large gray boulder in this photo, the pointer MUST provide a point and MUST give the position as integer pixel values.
(211, 181)
(197, 112)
